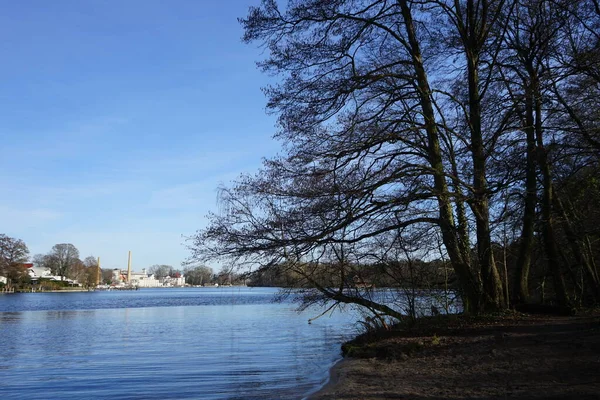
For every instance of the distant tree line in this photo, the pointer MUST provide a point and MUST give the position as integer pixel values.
(464, 133)
(202, 275)
(416, 274)
(62, 260)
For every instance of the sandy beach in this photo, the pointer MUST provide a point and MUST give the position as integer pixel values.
(543, 357)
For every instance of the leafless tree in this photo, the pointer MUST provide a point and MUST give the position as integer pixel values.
(63, 258)
(403, 122)
(13, 253)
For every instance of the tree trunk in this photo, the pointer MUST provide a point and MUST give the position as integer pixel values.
(492, 283)
(462, 228)
(578, 251)
(470, 286)
(547, 216)
(526, 244)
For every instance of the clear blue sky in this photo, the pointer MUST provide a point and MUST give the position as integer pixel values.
(120, 118)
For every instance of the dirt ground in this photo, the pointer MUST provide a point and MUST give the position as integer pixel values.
(520, 357)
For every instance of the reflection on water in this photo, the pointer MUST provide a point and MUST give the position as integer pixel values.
(163, 344)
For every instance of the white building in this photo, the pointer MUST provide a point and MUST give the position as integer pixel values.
(178, 280)
(37, 273)
(145, 280)
(140, 279)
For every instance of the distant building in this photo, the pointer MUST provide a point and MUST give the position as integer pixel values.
(140, 279)
(176, 280)
(145, 280)
(38, 273)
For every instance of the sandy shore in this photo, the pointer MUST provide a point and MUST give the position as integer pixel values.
(516, 358)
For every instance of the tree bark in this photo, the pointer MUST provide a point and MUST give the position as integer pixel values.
(492, 283)
(579, 253)
(526, 243)
(470, 285)
(547, 216)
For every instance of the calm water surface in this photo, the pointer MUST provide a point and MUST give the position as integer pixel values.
(193, 343)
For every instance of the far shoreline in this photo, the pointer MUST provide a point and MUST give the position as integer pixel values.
(79, 290)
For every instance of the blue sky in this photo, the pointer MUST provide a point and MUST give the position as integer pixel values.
(119, 119)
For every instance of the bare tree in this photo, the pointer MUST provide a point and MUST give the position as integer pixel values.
(403, 122)
(161, 271)
(198, 275)
(366, 134)
(93, 273)
(13, 253)
(63, 258)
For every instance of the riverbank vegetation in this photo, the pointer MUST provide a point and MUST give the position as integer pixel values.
(423, 144)
(62, 263)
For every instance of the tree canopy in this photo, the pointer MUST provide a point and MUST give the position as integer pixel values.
(13, 253)
(423, 130)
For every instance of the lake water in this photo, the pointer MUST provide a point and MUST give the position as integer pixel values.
(193, 343)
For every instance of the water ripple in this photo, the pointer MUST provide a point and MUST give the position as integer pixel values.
(163, 344)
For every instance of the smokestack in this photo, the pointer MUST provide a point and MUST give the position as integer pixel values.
(129, 268)
(99, 273)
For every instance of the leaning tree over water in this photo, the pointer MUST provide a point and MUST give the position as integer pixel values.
(408, 124)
